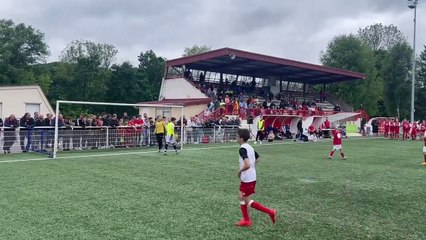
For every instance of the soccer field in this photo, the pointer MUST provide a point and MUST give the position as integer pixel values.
(377, 193)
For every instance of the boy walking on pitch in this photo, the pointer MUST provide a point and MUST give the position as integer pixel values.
(424, 149)
(247, 174)
(170, 135)
(337, 143)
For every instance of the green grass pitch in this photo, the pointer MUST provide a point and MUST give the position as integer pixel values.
(378, 193)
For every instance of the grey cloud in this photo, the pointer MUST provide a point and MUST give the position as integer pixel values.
(291, 29)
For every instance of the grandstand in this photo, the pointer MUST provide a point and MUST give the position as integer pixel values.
(226, 74)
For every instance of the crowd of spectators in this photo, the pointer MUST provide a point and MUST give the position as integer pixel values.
(88, 131)
(242, 98)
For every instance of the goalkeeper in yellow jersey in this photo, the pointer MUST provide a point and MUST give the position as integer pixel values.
(170, 138)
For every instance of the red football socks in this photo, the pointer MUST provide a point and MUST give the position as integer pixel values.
(261, 208)
(244, 211)
(342, 154)
(425, 157)
(331, 153)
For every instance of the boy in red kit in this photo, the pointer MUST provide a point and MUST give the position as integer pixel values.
(386, 128)
(391, 129)
(414, 131)
(247, 175)
(424, 149)
(396, 129)
(337, 143)
(405, 130)
(423, 127)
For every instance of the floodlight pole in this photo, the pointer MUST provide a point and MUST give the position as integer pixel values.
(413, 4)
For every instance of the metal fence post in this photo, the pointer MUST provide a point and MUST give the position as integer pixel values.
(107, 137)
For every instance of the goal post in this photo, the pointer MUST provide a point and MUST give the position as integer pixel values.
(59, 103)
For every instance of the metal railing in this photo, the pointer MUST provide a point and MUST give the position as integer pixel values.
(71, 138)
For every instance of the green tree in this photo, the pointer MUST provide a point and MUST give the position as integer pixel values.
(151, 69)
(395, 73)
(421, 86)
(196, 50)
(103, 53)
(126, 86)
(20, 47)
(90, 69)
(379, 37)
(348, 52)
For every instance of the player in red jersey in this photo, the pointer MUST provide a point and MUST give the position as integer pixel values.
(414, 130)
(337, 143)
(391, 129)
(396, 129)
(386, 128)
(424, 149)
(405, 130)
(247, 175)
(423, 127)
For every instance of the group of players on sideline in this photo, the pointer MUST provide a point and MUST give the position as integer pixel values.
(392, 129)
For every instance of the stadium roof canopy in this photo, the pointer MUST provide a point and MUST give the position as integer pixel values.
(242, 63)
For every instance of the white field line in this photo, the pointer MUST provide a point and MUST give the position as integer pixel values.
(156, 151)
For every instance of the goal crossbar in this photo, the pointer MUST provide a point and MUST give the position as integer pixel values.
(59, 102)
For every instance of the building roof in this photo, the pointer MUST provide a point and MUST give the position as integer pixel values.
(33, 87)
(243, 63)
(181, 101)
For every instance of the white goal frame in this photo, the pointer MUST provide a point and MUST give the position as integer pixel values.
(59, 102)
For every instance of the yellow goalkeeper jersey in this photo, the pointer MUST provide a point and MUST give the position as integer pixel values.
(170, 129)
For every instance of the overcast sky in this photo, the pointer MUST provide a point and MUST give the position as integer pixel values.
(292, 29)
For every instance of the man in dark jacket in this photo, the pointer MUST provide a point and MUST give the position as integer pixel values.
(10, 124)
(26, 123)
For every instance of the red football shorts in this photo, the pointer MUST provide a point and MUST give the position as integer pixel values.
(248, 188)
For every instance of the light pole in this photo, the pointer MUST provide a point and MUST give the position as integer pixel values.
(413, 4)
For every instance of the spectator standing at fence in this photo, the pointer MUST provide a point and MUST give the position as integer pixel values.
(137, 124)
(146, 125)
(26, 123)
(113, 123)
(66, 134)
(48, 132)
(36, 137)
(1, 122)
(61, 126)
(11, 123)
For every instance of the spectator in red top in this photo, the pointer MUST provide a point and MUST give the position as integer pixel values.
(337, 143)
(327, 126)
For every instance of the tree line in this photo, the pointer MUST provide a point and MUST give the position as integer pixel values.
(87, 71)
(385, 56)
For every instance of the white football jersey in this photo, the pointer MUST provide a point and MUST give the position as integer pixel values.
(248, 175)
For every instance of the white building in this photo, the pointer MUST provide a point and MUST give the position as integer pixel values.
(21, 99)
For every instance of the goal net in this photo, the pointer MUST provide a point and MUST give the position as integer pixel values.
(88, 126)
